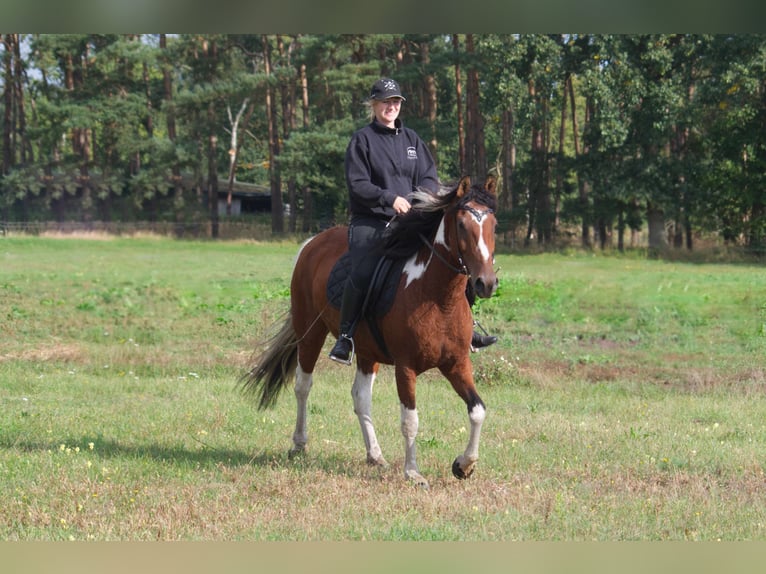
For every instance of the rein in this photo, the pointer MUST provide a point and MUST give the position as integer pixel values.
(462, 270)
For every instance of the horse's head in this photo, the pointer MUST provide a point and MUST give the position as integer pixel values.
(475, 225)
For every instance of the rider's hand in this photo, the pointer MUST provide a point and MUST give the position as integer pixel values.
(401, 205)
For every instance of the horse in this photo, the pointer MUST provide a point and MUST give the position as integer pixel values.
(448, 242)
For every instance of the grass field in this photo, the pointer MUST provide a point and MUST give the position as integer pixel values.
(625, 402)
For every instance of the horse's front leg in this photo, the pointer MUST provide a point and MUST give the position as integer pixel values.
(462, 381)
(405, 384)
(303, 382)
(464, 465)
(361, 391)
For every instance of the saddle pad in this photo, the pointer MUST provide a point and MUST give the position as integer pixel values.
(382, 288)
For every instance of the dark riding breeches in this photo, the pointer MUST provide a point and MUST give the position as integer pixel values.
(364, 238)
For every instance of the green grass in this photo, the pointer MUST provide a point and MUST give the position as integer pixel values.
(625, 402)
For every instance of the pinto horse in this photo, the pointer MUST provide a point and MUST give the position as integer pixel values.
(448, 239)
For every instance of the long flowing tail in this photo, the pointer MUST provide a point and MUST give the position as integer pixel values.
(274, 367)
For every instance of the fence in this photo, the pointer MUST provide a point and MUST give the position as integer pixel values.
(193, 230)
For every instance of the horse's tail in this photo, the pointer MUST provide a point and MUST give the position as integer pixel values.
(274, 367)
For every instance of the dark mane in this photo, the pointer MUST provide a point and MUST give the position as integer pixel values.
(423, 219)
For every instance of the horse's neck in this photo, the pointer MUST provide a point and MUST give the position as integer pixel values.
(442, 278)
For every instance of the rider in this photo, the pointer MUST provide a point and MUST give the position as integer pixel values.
(385, 163)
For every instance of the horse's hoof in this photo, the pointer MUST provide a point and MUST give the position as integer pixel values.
(295, 451)
(379, 462)
(458, 471)
(418, 480)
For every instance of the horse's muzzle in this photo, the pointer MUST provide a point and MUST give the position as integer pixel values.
(485, 287)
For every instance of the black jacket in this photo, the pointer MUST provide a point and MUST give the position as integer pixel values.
(382, 163)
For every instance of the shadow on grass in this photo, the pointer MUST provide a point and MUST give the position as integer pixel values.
(174, 454)
(206, 456)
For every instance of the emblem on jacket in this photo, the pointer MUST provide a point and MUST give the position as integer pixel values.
(411, 153)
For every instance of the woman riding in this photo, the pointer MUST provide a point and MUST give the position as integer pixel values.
(385, 163)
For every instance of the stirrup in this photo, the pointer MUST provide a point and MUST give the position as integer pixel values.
(339, 358)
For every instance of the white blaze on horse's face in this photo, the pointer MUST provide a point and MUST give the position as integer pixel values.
(483, 248)
(479, 216)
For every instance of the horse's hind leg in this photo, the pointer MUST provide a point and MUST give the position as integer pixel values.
(405, 386)
(308, 353)
(361, 392)
(303, 382)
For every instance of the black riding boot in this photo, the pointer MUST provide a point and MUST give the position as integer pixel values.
(350, 307)
(479, 341)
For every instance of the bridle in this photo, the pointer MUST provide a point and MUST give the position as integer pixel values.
(460, 268)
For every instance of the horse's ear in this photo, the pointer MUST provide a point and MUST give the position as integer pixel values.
(464, 186)
(491, 184)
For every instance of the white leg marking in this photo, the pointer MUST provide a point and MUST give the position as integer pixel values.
(476, 416)
(303, 382)
(467, 460)
(361, 392)
(409, 418)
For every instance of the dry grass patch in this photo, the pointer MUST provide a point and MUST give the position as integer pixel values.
(59, 352)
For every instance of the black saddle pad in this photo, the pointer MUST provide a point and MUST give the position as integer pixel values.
(382, 287)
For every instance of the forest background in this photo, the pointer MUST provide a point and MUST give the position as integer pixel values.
(604, 140)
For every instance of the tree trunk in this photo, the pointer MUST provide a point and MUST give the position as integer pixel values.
(308, 204)
(212, 151)
(603, 233)
(8, 151)
(277, 218)
(286, 91)
(689, 237)
(539, 196)
(655, 218)
(582, 185)
(170, 116)
(233, 152)
(560, 166)
(430, 100)
(621, 229)
(545, 215)
(459, 107)
(476, 158)
(212, 171)
(25, 145)
(508, 199)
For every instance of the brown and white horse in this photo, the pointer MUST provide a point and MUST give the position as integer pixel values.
(429, 325)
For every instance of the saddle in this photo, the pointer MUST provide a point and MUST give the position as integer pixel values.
(380, 294)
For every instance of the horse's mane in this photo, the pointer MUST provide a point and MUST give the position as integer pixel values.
(423, 219)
